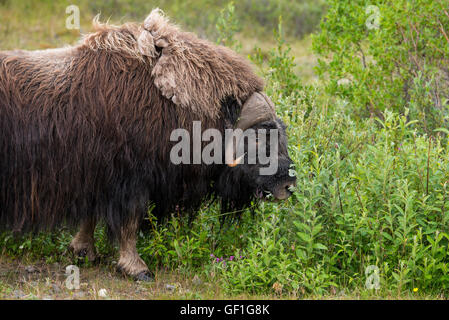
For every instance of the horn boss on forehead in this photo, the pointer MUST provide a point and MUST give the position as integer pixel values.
(258, 108)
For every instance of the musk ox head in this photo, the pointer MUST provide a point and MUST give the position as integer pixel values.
(257, 152)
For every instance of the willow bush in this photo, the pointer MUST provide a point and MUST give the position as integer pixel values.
(388, 54)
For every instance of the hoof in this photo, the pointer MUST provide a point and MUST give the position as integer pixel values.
(81, 254)
(145, 276)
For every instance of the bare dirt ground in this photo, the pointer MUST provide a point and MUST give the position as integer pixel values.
(22, 279)
(43, 281)
(38, 280)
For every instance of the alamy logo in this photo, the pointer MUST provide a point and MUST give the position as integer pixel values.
(372, 277)
(72, 281)
(258, 150)
(73, 20)
(373, 21)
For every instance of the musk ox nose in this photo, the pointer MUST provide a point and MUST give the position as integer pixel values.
(284, 190)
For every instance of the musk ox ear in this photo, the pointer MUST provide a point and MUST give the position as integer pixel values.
(258, 108)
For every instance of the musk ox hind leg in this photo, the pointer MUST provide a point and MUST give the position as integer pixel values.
(130, 262)
(83, 244)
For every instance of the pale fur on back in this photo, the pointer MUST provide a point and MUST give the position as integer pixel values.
(195, 74)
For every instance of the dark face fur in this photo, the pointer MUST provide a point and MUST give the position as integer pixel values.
(280, 184)
(239, 185)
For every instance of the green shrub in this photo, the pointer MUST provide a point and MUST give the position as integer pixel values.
(396, 61)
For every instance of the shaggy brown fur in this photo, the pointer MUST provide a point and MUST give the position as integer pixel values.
(193, 73)
(85, 130)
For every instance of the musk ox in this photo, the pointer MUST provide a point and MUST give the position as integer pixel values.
(85, 133)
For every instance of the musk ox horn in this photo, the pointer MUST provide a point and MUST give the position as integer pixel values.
(258, 108)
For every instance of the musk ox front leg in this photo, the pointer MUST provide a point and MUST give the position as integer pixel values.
(82, 244)
(130, 262)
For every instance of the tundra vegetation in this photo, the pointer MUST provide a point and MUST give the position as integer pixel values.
(368, 133)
